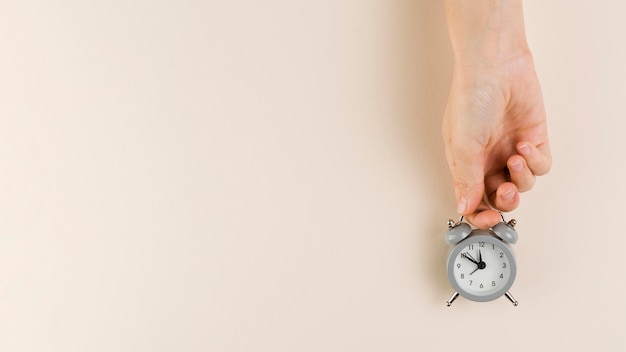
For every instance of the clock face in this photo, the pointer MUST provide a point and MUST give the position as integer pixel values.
(481, 268)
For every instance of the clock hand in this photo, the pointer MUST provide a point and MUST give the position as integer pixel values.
(469, 257)
(474, 271)
(481, 264)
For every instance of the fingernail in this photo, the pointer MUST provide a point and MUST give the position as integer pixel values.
(524, 149)
(462, 206)
(508, 195)
(517, 167)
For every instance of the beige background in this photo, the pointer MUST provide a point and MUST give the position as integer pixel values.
(269, 176)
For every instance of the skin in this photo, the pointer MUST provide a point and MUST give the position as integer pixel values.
(494, 125)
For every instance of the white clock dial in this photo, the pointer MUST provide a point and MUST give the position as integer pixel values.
(482, 268)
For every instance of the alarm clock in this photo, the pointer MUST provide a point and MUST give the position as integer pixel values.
(481, 266)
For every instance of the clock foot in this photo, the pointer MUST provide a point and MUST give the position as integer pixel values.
(510, 297)
(454, 296)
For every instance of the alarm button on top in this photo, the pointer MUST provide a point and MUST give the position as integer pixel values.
(457, 233)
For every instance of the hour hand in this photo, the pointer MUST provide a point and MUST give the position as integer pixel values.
(469, 257)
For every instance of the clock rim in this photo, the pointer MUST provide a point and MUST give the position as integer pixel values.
(478, 236)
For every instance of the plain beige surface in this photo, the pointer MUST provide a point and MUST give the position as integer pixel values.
(270, 176)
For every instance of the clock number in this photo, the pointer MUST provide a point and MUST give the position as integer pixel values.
(501, 254)
(503, 265)
(471, 246)
(462, 276)
(458, 265)
(481, 285)
(493, 283)
(502, 276)
(471, 282)
(493, 246)
(481, 244)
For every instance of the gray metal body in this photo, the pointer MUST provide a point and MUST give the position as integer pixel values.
(490, 237)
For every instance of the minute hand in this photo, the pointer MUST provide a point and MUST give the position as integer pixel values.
(469, 257)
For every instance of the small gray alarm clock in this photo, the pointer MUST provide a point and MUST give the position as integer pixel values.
(481, 266)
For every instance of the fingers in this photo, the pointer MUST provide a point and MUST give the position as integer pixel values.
(502, 189)
(469, 193)
(468, 174)
(538, 158)
(484, 219)
(501, 194)
(520, 174)
(532, 161)
(506, 197)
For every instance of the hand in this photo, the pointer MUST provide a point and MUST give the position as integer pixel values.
(495, 122)
(495, 136)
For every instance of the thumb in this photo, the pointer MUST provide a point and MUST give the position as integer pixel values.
(469, 181)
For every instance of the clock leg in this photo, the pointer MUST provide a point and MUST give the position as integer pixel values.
(454, 296)
(510, 297)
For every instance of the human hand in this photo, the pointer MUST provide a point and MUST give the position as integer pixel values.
(495, 136)
(495, 122)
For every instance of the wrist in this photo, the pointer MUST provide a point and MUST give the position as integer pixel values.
(486, 33)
